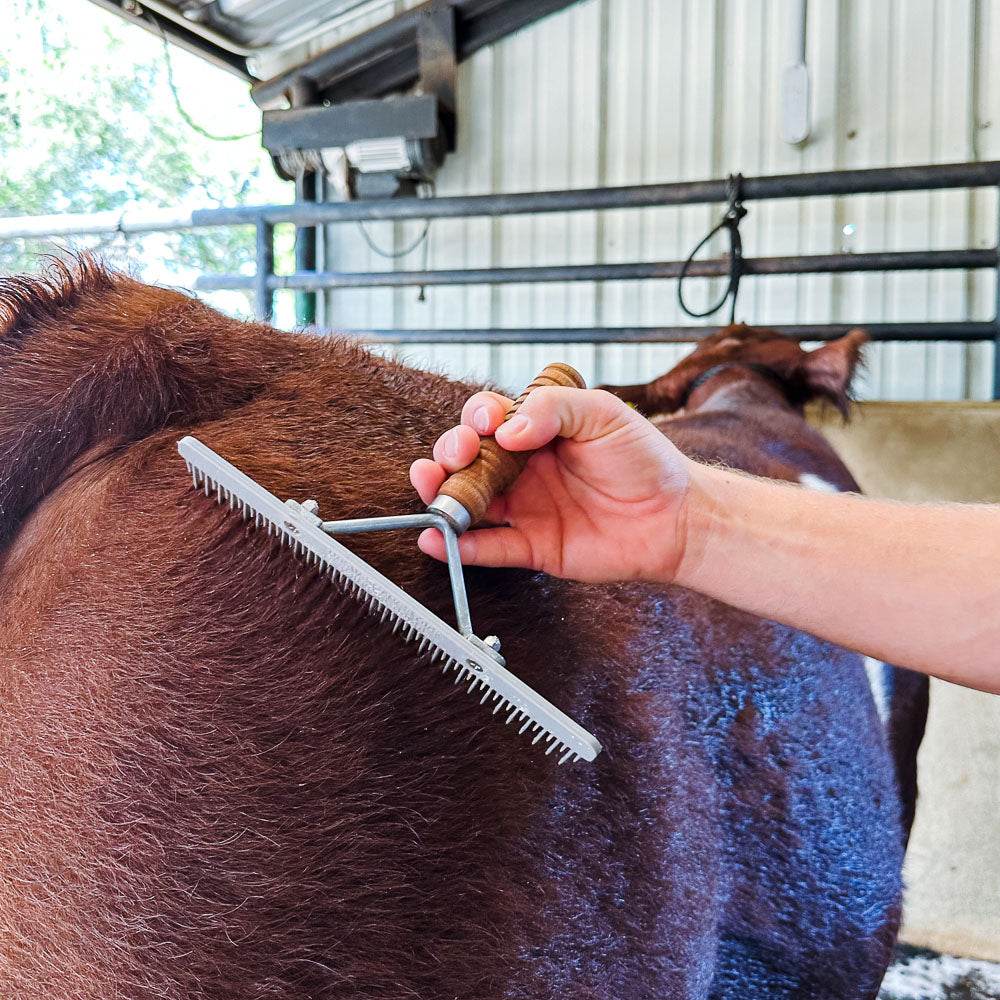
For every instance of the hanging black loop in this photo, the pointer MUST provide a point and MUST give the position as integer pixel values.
(731, 222)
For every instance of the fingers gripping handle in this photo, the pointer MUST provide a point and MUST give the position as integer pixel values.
(495, 468)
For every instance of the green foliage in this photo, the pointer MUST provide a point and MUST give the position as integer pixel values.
(88, 124)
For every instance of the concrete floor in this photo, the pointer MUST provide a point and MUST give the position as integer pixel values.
(919, 974)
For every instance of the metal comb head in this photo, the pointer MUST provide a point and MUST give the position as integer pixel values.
(472, 661)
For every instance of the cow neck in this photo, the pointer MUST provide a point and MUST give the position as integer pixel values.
(710, 373)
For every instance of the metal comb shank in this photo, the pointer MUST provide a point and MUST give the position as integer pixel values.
(300, 529)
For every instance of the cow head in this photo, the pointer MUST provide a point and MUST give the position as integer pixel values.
(824, 373)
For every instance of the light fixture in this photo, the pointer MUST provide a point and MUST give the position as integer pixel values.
(377, 148)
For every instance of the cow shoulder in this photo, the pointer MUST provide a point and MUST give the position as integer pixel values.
(91, 359)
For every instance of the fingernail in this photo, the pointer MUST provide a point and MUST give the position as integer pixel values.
(450, 444)
(516, 424)
(481, 419)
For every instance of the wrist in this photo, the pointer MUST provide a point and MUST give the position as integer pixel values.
(676, 537)
(698, 521)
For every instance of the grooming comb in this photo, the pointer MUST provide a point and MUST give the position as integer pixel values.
(461, 502)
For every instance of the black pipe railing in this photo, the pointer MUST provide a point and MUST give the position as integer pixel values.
(905, 332)
(882, 180)
(831, 183)
(310, 281)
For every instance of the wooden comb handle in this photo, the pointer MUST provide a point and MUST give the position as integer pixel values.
(495, 468)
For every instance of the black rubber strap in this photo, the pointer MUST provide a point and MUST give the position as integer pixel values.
(710, 373)
(731, 222)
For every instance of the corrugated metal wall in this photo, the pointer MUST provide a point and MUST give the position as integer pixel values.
(616, 92)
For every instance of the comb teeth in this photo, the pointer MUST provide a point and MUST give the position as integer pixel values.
(438, 641)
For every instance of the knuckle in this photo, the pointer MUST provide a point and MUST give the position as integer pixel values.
(611, 408)
(546, 398)
(608, 401)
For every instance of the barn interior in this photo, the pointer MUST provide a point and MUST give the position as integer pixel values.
(480, 186)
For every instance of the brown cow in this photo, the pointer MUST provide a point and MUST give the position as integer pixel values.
(220, 779)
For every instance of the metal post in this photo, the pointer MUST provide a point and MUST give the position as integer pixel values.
(996, 311)
(305, 249)
(263, 296)
(437, 63)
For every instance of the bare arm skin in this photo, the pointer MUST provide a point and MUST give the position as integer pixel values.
(918, 586)
(610, 498)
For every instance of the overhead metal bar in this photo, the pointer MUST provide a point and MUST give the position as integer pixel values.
(916, 260)
(836, 182)
(135, 13)
(964, 332)
(385, 59)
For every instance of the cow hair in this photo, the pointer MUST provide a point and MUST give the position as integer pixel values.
(220, 777)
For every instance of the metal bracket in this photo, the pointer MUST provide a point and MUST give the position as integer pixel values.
(396, 141)
(437, 63)
(361, 525)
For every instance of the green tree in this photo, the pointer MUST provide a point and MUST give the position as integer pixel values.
(88, 124)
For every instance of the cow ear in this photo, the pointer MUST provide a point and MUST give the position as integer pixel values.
(829, 370)
(662, 395)
(637, 396)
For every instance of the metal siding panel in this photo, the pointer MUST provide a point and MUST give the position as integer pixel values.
(817, 230)
(747, 114)
(556, 148)
(580, 130)
(664, 51)
(983, 209)
(625, 101)
(455, 243)
(954, 41)
(517, 164)
(864, 72)
(695, 79)
(628, 91)
(911, 93)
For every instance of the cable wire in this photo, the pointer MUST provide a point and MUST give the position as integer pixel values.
(393, 254)
(177, 99)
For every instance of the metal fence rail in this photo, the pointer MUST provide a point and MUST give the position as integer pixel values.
(309, 281)
(905, 332)
(830, 183)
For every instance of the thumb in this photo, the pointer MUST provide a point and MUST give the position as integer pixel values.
(554, 411)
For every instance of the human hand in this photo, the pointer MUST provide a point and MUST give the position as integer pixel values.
(603, 499)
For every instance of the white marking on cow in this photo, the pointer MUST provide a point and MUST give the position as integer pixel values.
(817, 483)
(878, 679)
(721, 398)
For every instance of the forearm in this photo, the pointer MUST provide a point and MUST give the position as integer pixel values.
(918, 586)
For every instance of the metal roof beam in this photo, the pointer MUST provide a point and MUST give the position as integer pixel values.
(177, 33)
(385, 59)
